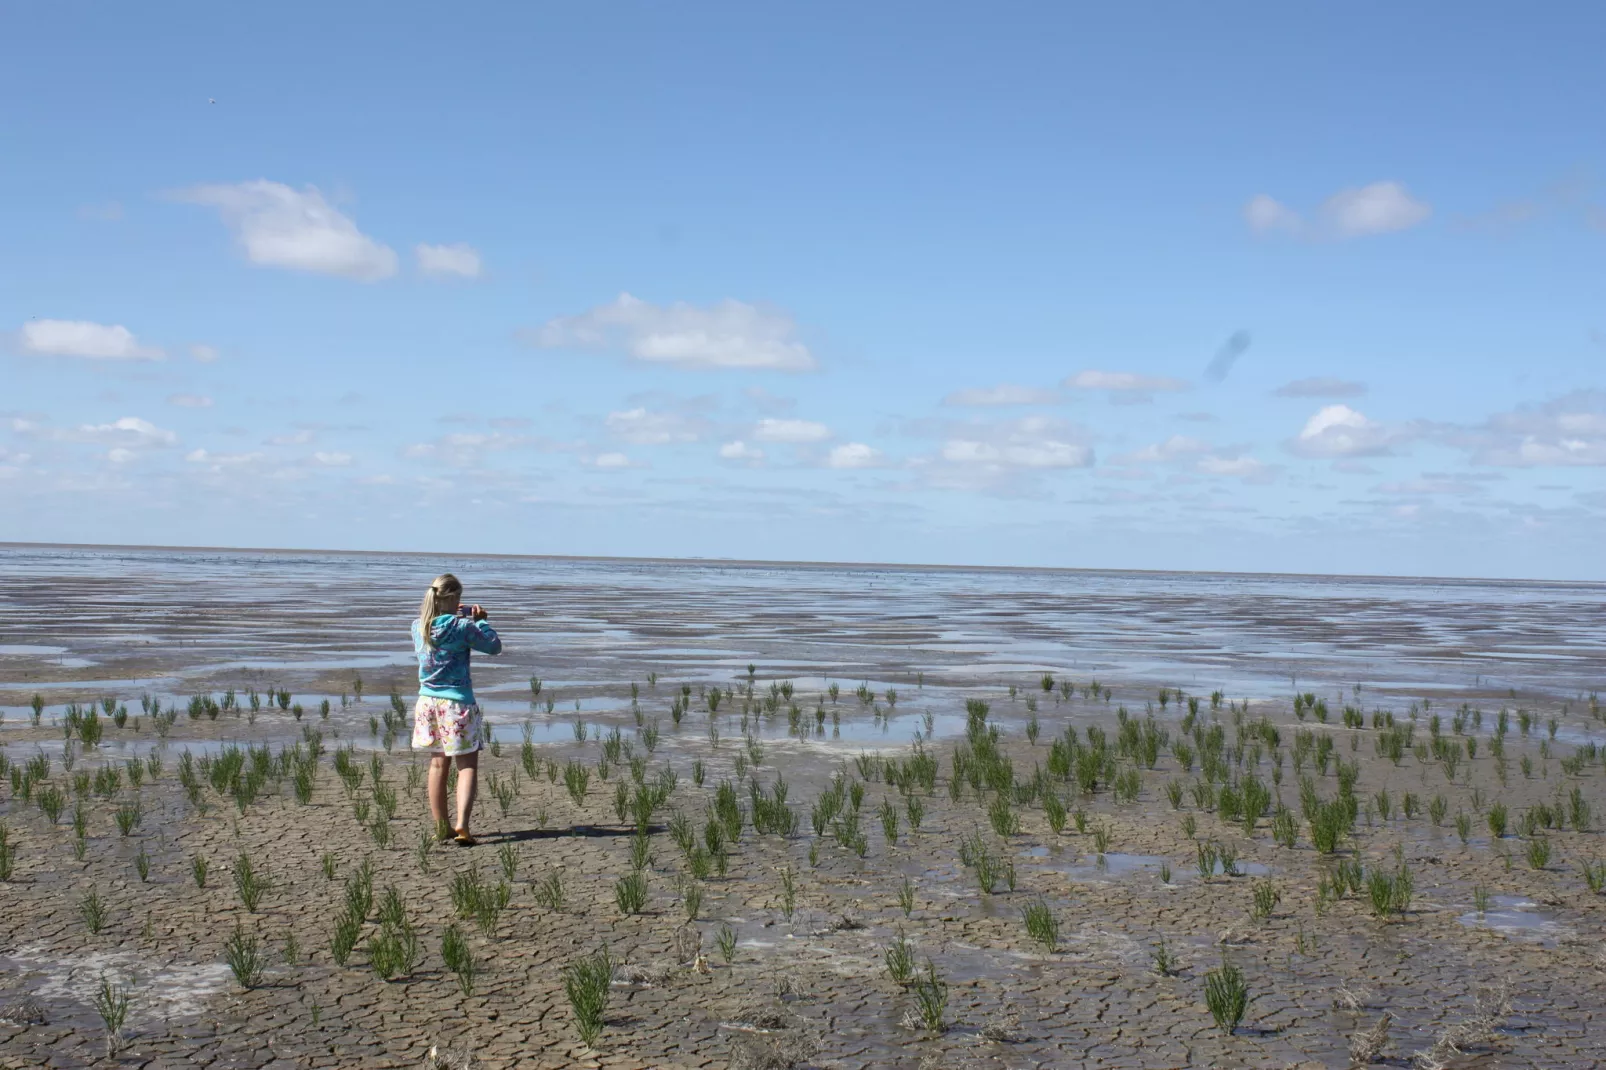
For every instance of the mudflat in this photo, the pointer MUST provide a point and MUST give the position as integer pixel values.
(752, 817)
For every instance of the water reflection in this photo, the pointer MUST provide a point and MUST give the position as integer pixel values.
(311, 620)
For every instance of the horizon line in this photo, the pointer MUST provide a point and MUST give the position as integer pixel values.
(783, 563)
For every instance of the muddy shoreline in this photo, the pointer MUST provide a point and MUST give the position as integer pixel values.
(1122, 875)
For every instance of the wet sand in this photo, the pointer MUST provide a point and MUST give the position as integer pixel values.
(1319, 969)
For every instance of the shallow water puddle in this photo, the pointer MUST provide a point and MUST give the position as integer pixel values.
(1518, 918)
(508, 710)
(896, 730)
(540, 732)
(157, 992)
(1240, 869)
(53, 655)
(1113, 865)
(27, 650)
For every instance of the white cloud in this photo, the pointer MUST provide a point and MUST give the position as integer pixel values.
(1378, 208)
(1002, 394)
(11, 463)
(1321, 386)
(277, 226)
(1123, 382)
(1569, 431)
(611, 460)
(190, 401)
(1266, 214)
(740, 451)
(1045, 454)
(1581, 423)
(730, 334)
(217, 462)
(1532, 453)
(1194, 455)
(646, 428)
(203, 353)
(1033, 442)
(1331, 416)
(123, 437)
(331, 459)
(772, 429)
(1340, 431)
(128, 431)
(293, 438)
(81, 338)
(463, 449)
(855, 455)
(460, 260)
(1171, 449)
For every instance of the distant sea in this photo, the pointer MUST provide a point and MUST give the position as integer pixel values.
(177, 615)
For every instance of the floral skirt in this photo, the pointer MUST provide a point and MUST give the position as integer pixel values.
(447, 727)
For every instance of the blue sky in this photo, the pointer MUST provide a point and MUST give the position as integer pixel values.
(1146, 287)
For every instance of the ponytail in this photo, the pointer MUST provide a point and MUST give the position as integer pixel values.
(445, 590)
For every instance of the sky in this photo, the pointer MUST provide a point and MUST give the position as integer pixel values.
(1253, 288)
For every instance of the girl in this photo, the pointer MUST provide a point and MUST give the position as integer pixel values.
(446, 720)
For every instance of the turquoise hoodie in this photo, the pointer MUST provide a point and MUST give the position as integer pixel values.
(443, 668)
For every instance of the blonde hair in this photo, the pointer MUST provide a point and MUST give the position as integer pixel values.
(446, 590)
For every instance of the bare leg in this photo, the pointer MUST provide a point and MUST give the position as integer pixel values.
(438, 765)
(467, 767)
